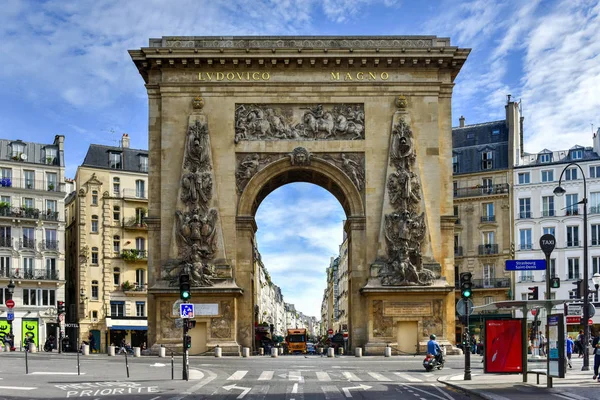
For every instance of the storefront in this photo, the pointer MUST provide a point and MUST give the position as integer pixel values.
(134, 330)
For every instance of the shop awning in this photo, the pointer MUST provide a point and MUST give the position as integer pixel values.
(128, 328)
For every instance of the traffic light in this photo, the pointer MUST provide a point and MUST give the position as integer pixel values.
(191, 323)
(60, 307)
(534, 293)
(577, 292)
(554, 283)
(187, 342)
(466, 287)
(184, 287)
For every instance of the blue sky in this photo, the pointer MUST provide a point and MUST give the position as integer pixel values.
(65, 70)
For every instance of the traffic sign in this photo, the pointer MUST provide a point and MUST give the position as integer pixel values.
(10, 316)
(186, 310)
(10, 303)
(330, 331)
(525, 265)
(345, 334)
(547, 243)
(575, 310)
(460, 307)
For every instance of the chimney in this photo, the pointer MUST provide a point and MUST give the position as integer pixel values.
(462, 121)
(125, 141)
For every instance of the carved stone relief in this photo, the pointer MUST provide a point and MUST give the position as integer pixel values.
(221, 327)
(297, 43)
(168, 330)
(300, 157)
(435, 324)
(405, 227)
(382, 326)
(299, 122)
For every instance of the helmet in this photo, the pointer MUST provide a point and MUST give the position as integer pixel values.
(432, 337)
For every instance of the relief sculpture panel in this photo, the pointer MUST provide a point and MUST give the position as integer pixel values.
(222, 327)
(299, 122)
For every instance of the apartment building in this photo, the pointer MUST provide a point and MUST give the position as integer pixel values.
(341, 323)
(32, 226)
(539, 211)
(107, 246)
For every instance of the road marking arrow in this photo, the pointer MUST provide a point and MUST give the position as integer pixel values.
(244, 390)
(348, 389)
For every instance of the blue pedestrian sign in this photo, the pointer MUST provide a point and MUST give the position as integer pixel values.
(10, 316)
(525, 265)
(186, 310)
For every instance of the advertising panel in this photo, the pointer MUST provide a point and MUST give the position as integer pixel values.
(4, 329)
(30, 330)
(503, 346)
(556, 344)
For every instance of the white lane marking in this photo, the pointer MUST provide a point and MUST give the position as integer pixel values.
(157, 365)
(331, 393)
(408, 377)
(266, 376)
(323, 376)
(351, 377)
(379, 377)
(361, 386)
(574, 396)
(421, 390)
(55, 373)
(259, 392)
(195, 375)
(154, 398)
(244, 390)
(442, 392)
(211, 377)
(295, 388)
(295, 376)
(237, 375)
(17, 388)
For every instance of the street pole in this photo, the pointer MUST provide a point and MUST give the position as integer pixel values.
(548, 313)
(467, 346)
(11, 289)
(185, 350)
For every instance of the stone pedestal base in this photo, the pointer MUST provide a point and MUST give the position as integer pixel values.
(228, 348)
(375, 349)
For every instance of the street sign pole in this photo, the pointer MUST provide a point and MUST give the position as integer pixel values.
(185, 350)
(467, 347)
(547, 244)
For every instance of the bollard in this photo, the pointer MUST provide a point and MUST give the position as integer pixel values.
(218, 352)
(7, 348)
(32, 348)
(111, 351)
(137, 352)
(126, 364)
(162, 352)
(274, 352)
(330, 352)
(341, 351)
(261, 351)
(246, 352)
(26, 363)
(320, 350)
(86, 349)
(388, 351)
(280, 351)
(358, 351)
(172, 367)
(78, 364)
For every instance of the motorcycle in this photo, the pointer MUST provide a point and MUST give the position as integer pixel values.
(430, 362)
(49, 345)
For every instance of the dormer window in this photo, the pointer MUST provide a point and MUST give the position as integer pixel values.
(576, 154)
(470, 136)
(486, 160)
(17, 149)
(50, 155)
(496, 131)
(143, 163)
(115, 160)
(545, 158)
(455, 164)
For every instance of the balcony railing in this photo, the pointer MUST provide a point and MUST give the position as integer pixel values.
(51, 245)
(526, 278)
(571, 211)
(49, 216)
(26, 243)
(573, 243)
(41, 274)
(6, 241)
(476, 191)
(595, 242)
(524, 214)
(488, 249)
(594, 210)
(134, 193)
(488, 218)
(135, 287)
(548, 213)
(525, 246)
(458, 251)
(31, 184)
(19, 212)
(134, 223)
(489, 283)
(134, 255)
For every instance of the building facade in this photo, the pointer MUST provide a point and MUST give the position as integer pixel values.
(539, 211)
(107, 246)
(32, 226)
(341, 324)
(482, 157)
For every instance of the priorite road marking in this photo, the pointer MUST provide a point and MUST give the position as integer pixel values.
(323, 376)
(379, 377)
(351, 377)
(408, 377)
(295, 376)
(237, 375)
(16, 388)
(266, 376)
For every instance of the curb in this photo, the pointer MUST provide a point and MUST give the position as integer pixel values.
(482, 395)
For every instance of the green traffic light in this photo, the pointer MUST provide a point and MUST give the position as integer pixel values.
(185, 295)
(466, 293)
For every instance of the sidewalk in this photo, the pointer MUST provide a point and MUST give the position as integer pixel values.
(577, 385)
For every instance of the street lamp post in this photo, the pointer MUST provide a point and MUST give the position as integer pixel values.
(11, 290)
(559, 191)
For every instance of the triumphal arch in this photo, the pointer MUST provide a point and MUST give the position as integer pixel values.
(368, 118)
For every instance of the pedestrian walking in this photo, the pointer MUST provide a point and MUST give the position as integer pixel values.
(92, 341)
(123, 346)
(542, 344)
(580, 339)
(596, 353)
(570, 346)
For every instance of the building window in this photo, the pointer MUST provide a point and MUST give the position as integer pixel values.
(454, 164)
(94, 197)
(571, 174)
(455, 211)
(486, 160)
(595, 265)
(455, 188)
(488, 237)
(572, 236)
(5, 200)
(548, 175)
(117, 186)
(143, 163)
(140, 309)
(525, 239)
(94, 315)
(487, 183)
(553, 268)
(573, 268)
(524, 178)
(470, 136)
(28, 238)
(117, 244)
(547, 206)
(594, 202)
(94, 290)
(576, 154)
(29, 179)
(548, 230)
(488, 275)
(5, 266)
(495, 131)
(28, 267)
(572, 204)
(488, 213)
(525, 208)
(51, 269)
(117, 276)
(94, 224)
(50, 153)
(526, 276)
(17, 149)
(39, 297)
(94, 256)
(140, 277)
(595, 235)
(140, 189)
(545, 158)
(117, 308)
(114, 161)
(116, 213)
(140, 244)
(140, 214)
(27, 202)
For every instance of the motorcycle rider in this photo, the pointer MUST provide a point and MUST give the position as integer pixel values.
(434, 348)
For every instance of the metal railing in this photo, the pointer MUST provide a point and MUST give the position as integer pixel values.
(525, 246)
(6, 241)
(41, 274)
(548, 213)
(526, 278)
(488, 218)
(20, 212)
(478, 190)
(26, 243)
(572, 211)
(49, 216)
(488, 249)
(137, 288)
(33, 184)
(50, 245)
(458, 251)
(594, 210)
(573, 243)
(134, 255)
(138, 194)
(489, 283)
(524, 214)
(134, 223)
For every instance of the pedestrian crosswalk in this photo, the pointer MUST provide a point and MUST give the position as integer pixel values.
(331, 376)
